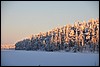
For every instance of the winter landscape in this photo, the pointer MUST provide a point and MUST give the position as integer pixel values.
(46, 50)
(49, 33)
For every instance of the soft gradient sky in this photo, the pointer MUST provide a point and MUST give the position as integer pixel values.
(20, 19)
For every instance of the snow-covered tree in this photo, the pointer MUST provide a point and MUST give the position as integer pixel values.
(82, 36)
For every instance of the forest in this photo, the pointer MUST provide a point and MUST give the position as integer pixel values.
(81, 36)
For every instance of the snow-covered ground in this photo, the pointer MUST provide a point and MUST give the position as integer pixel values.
(42, 58)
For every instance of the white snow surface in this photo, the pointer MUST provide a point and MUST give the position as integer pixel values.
(43, 58)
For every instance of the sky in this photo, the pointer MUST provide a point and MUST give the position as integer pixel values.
(21, 19)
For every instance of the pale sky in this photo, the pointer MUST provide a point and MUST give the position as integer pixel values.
(20, 19)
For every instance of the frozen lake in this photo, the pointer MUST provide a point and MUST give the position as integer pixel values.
(42, 58)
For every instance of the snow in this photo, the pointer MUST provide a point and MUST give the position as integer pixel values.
(43, 58)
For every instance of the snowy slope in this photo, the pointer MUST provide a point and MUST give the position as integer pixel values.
(42, 58)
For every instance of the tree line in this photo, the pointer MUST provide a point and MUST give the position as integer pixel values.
(81, 36)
